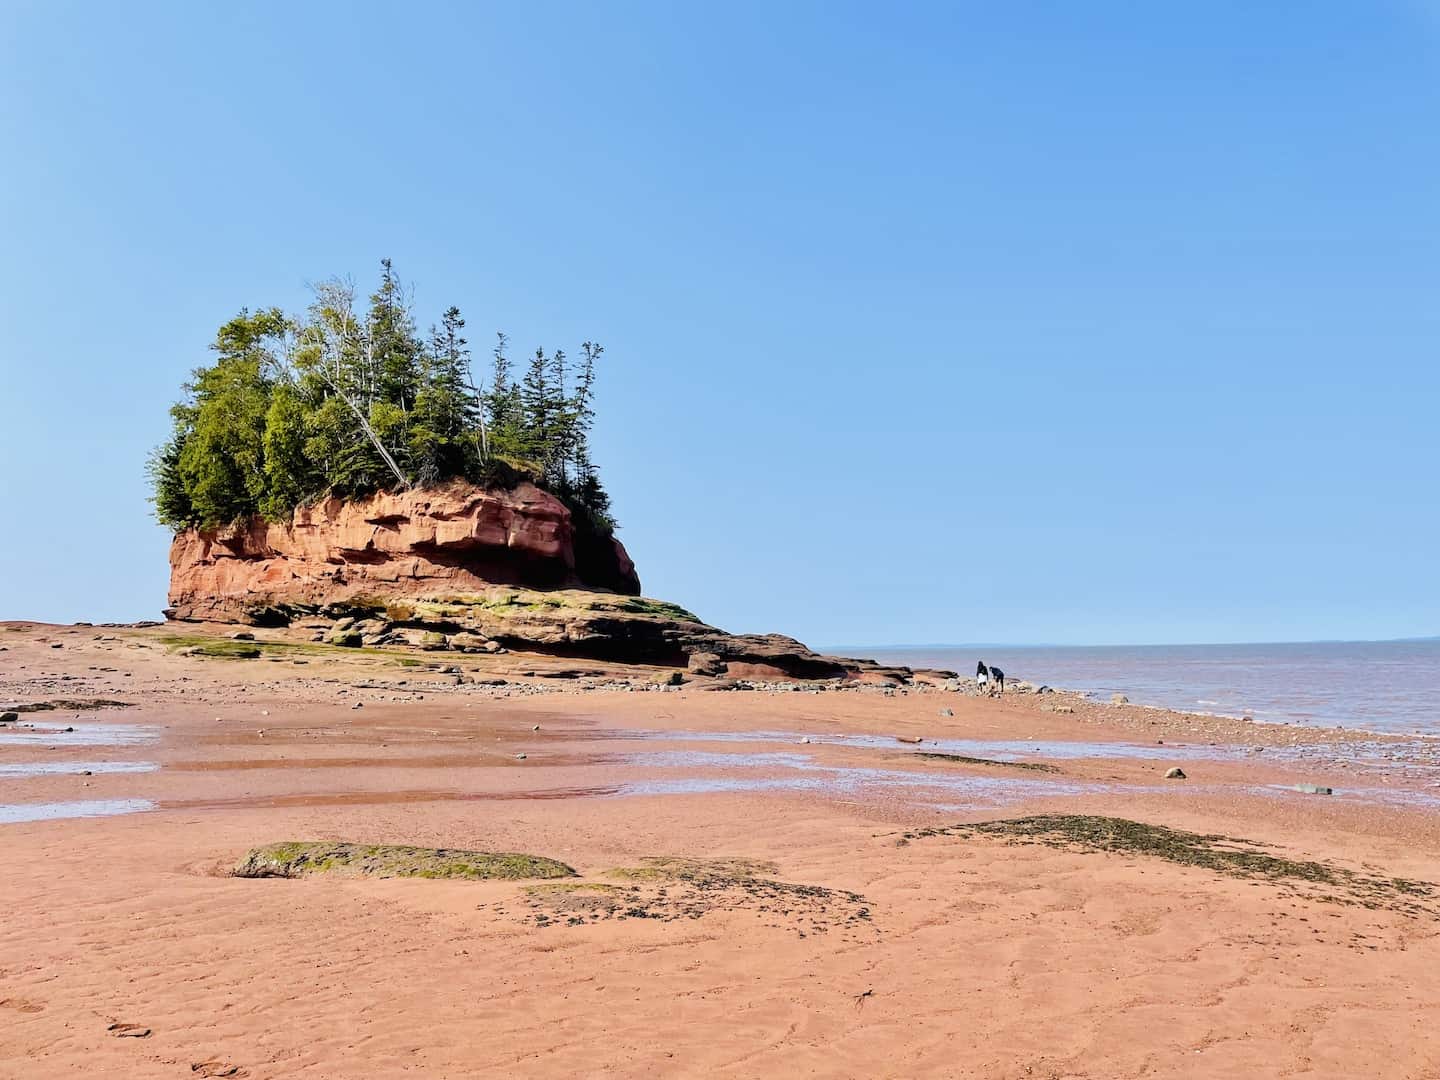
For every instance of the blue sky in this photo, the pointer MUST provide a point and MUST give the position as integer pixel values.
(1027, 322)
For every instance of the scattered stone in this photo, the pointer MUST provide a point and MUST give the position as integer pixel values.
(1119, 699)
(9, 717)
(947, 712)
(433, 640)
(128, 1031)
(242, 635)
(358, 705)
(519, 757)
(347, 639)
(1314, 789)
(56, 645)
(535, 728)
(722, 684)
(912, 739)
(470, 643)
(1175, 774)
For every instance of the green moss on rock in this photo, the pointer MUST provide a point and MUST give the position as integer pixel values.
(297, 858)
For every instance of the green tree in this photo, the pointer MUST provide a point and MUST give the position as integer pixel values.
(445, 423)
(335, 403)
(222, 461)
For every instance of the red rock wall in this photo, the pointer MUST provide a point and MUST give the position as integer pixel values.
(451, 539)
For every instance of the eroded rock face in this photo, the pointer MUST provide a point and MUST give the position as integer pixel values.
(469, 570)
(450, 540)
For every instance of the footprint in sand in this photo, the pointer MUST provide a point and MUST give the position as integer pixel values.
(21, 1005)
(215, 1068)
(129, 1031)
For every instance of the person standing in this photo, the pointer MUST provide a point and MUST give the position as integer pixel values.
(982, 677)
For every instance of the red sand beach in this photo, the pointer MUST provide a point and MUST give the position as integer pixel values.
(823, 921)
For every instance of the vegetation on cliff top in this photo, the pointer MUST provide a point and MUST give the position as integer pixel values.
(342, 403)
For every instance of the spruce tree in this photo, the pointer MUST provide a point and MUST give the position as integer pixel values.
(346, 404)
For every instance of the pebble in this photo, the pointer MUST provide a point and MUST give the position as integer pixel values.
(519, 757)
(947, 712)
(1175, 774)
(1314, 789)
(535, 728)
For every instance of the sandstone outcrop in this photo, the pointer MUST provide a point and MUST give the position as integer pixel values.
(469, 570)
(448, 540)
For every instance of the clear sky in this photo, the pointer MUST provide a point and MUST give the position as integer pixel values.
(1021, 322)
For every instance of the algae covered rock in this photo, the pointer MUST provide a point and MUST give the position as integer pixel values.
(297, 858)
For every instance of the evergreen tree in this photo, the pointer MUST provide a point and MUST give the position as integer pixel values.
(338, 404)
(446, 419)
(395, 351)
(502, 405)
(537, 408)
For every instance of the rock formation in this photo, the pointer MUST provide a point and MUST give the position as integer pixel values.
(451, 540)
(467, 569)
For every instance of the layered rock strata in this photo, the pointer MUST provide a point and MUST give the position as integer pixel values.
(472, 570)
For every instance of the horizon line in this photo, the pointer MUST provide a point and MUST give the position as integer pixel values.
(833, 649)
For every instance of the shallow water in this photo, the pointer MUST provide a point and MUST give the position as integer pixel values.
(999, 749)
(14, 813)
(1391, 686)
(80, 733)
(23, 770)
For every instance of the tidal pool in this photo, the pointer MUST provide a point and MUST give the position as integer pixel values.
(14, 813)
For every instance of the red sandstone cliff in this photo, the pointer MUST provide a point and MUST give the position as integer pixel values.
(449, 540)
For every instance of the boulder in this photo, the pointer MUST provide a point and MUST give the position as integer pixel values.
(471, 643)
(706, 663)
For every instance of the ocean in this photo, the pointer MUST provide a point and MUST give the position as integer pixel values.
(1388, 686)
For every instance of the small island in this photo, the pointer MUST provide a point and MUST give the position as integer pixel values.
(342, 470)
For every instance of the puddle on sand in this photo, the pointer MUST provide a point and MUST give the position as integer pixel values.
(999, 749)
(376, 798)
(80, 733)
(479, 760)
(24, 770)
(807, 775)
(1398, 797)
(13, 813)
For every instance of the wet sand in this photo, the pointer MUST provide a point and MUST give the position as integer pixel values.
(869, 949)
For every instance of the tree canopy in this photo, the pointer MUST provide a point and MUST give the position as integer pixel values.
(346, 402)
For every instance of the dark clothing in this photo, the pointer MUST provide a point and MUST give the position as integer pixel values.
(999, 677)
(981, 670)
